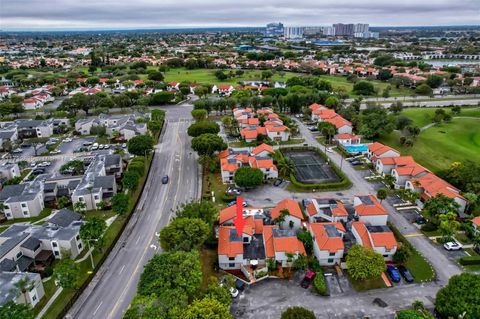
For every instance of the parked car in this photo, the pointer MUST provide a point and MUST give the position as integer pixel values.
(17, 150)
(245, 204)
(308, 279)
(405, 273)
(356, 163)
(420, 220)
(38, 171)
(88, 144)
(165, 179)
(56, 152)
(240, 285)
(124, 145)
(393, 273)
(67, 140)
(44, 164)
(452, 245)
(25, 145)
(233, 191)
(329, 150)
(277, 182)
(231, 203)
(233, 291)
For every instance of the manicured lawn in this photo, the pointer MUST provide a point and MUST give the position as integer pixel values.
(437, 147)
(340, 82)
(50, 289)
(463, 238)
(208, 258)
(419, 267)
(213, 182)
(424, 116)
(44, 213)
(471, 251)
(368, 284)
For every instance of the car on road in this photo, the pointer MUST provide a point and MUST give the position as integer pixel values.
(329, 150)
(393, 273)
(277, 182)
(17, 150)
(165, 179)
(308, 279)
(56, 152)
(44, 164)
(312, 128)
(405, 273)
(356, 163)
(452, 245)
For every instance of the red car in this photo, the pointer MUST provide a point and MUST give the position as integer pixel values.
(308, 279)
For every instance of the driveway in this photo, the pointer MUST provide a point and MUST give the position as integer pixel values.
(269, 298)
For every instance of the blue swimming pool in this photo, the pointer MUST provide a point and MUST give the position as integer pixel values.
(357, 148)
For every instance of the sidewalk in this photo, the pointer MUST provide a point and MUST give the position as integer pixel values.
(49, 303)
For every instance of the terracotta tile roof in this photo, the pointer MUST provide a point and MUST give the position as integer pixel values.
(340, 210)
(276, 128)
(362, 233)
(248, 133)
(476, 221)
(368, 210)
(400, 161)
(346, 136)
(411, 170)
(323, 240)
(325, 113)
(315, 106)
(268, 241)
(435, 185)
(375, 239)
(226, 166)
(253, 121)
(262, 147)
(225, 246)
(290, 245)
(289, 204)
(379, 148)
(227, 214)
(338, 121)
(272, 116)
(224, 153)
(311, 209)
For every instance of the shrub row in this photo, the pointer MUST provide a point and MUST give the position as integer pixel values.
(470, 260)
(319, 284)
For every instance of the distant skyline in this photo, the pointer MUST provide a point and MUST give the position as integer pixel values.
(36, 15)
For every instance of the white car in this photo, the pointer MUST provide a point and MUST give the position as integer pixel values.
(56, 152)
(17, 150)
(44, 164)
(67, 140)
(234, 292)
(452, 245)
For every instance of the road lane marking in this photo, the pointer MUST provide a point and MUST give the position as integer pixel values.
(138, 239)
(98, 307)
(413, 235)
(121, 270)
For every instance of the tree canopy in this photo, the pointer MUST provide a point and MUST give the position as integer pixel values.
(207, 144)
(298, 313)
(375, 121)
(363, 88)
(141, 144)
(67, 273)
(364, 263)
(460, 295)
(12, 310)
(184, 234)
(248, 177)
(203, 127)
(207, 308)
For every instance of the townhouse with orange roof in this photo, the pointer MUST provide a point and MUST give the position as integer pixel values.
(404, 173)
(380, 238)
(346, 139)
(322, 114)
(325, 210)
(225, 90)
(295, 217)
(384, 165)
(251, 128)
(369, 210)
(328, 245)
(231, 160)
(476, 224)
(378, 150)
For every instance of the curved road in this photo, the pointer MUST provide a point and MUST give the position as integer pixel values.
(115, 284)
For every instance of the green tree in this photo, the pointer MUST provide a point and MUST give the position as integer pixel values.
(171, 270)
(298, 313)
(413, 314)
(217, 292)
(363, 88)
(156, 76)
(91, 232)
(440, 204)
(207, 144)
(200, 114)
(23, 286)
(205, 210)
(424, 89)
(382, 194)
(333, 102)
(434, 80)
(76, 167)
(67, 274)
(307, 240)
(396, 107)
(328, 131)
(11, 310)
(140, 145)
(169, 304)
(460, 297)
(364, 263)
(62, 202)
(203, 127)
(120, 203)
(184, 234)
(375, 121)
(130, 180)
(448, 225)
(248, 177)
(162, 98)
(207, 308)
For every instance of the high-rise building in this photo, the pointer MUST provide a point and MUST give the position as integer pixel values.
(313, 30)
(274, 29)
(328, 31)
(361, 27)
(366, 35)
(293, 32)
(344, 29)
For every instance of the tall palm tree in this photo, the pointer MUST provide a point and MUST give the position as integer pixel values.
(285, 166)
(23, 286)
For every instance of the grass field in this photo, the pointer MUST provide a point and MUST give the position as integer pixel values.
(424, 116)
(339, 82)
(437, 147)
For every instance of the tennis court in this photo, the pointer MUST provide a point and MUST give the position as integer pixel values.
(310, 168)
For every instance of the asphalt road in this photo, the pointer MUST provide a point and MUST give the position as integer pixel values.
(115, 284)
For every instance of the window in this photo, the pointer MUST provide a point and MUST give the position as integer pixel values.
(77, 238)
(96, 197)
(245, 239)
(330, 260)
(231, 258)
(54, 244)
(80, 246)
(19, 254)
(25, 213)
(231, 265)
(24, 205)
(34, 297)
(56, 253)
(332, 254)
(80, 199)
(8, 215)
(385, 256)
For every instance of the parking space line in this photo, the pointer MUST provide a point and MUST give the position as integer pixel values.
(413, 235)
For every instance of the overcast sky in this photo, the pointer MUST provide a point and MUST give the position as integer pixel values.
(115, 14)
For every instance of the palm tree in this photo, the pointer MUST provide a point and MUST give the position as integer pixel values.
(23, 286)
(382, 194)
(285, 166)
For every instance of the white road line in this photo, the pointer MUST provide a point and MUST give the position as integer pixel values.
(121, 270)
(138, 239)
(98, 307)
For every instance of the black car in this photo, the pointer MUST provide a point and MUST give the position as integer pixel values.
(165, 179)
(277, 182)
(420, 220)
(38, 171)
(240, 285)
(405, 273)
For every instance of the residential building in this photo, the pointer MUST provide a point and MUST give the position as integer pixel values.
(347, 139)
(378, 150)
(123, 126)
(9, 291)
(379, 238)
(23, 200)
(274, 30)
(369, 210)
(322, 114)
(328, 245)
(321, 210)
(9, 171)
(344, 29)
(293, 220)
(293, 32)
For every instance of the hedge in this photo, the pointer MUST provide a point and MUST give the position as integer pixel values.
(470, 260)
(344, 182)
(319, 284)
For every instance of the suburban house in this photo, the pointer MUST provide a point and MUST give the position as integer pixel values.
(322, 114)
(369, 210)
(251, 127)
(404, 173)
(9, 291)
(9, 171)
(225, 90)
(328, 245)
(95, 186)
(476, 224)
(34, 128)
(325, 210)
(8, 134)
(379, 237)
(292, 220)
(126, 126)
(32, 103)
(378, 150)
(384, 165)
(33, 247)
(231, 160)
(346, 139)
(282, 245)
(22, 200)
